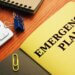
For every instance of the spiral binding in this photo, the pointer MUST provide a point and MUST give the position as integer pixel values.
(17, 4)
(29, 7)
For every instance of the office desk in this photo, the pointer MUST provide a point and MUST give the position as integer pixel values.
(48, 8)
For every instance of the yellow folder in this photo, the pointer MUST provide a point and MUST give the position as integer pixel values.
(52, 45)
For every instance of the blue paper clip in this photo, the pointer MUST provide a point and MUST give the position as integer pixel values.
(18, 23)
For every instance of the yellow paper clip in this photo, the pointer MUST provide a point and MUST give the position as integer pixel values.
(15, 62)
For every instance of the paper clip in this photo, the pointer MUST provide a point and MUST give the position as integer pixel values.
(15, 62)
(18, 22)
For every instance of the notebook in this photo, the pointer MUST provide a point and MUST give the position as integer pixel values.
(26, 66)
(52, 44)
(30, 6)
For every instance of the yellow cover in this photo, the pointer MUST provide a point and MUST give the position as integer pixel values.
(52, 45)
